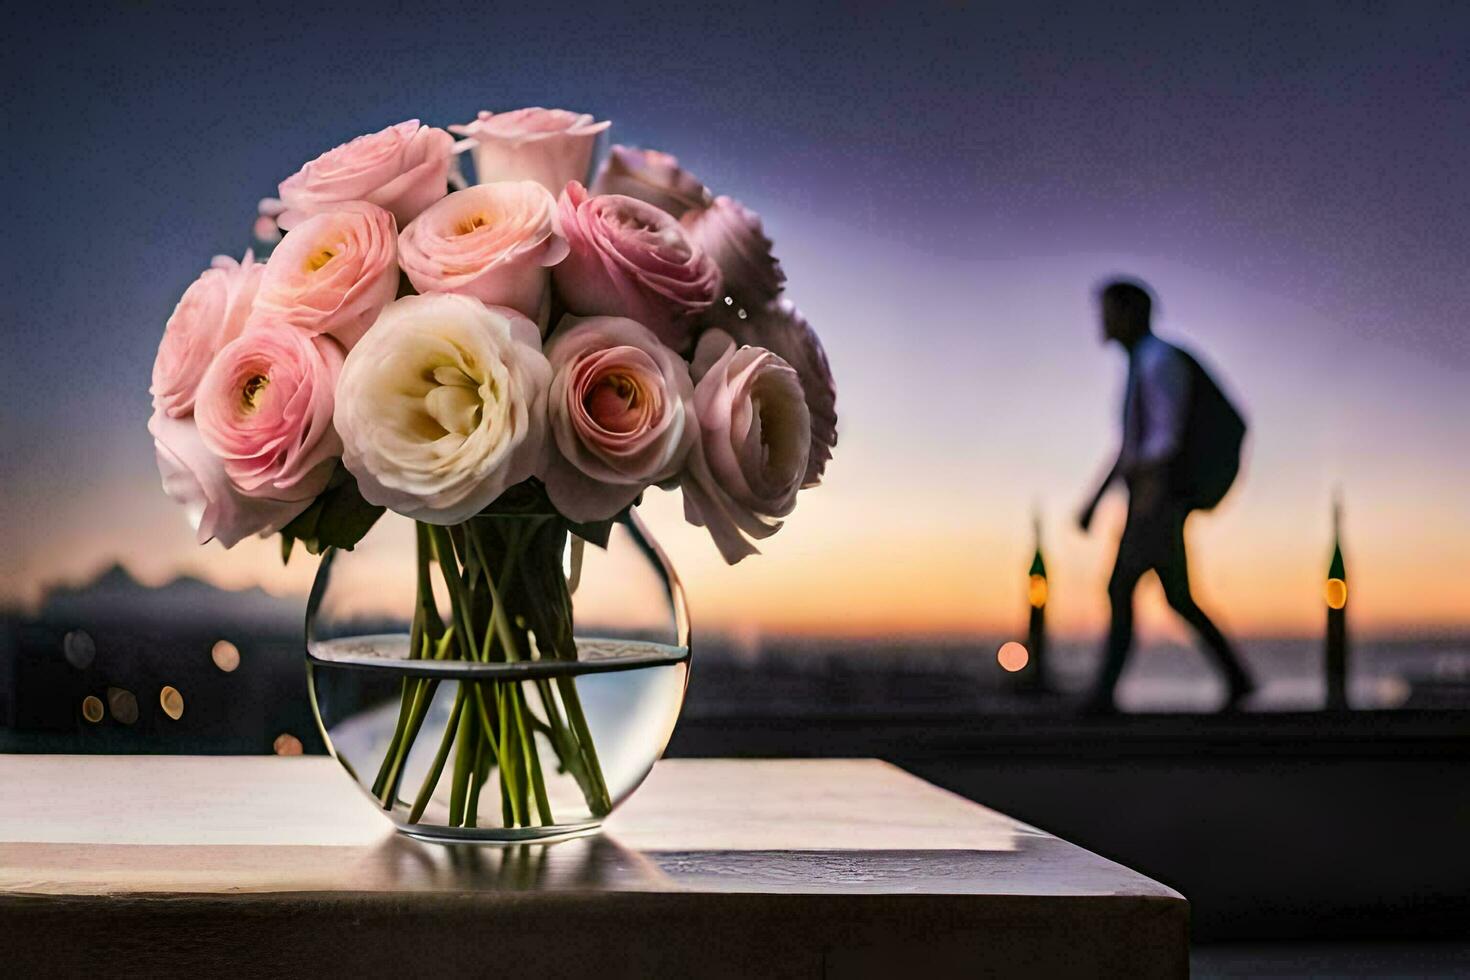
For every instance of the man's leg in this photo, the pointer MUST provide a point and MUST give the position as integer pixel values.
(1173, 569)
(1128, 568)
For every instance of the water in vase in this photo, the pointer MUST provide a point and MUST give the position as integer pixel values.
(617, 702)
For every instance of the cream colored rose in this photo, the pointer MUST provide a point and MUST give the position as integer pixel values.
(442, 405)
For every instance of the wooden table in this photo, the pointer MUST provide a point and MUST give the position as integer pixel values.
(249, 866)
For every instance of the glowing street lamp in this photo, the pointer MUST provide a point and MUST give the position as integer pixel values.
(1037, 592)
(1335, 594)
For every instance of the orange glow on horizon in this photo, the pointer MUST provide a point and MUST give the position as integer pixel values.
(922, 522)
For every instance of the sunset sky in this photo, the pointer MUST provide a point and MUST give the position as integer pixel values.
(945, 184)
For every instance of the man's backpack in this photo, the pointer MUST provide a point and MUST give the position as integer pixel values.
(1214, 433)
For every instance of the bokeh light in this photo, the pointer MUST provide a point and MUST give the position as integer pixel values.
(79, 649)
(171, 701)
(287, 744)
(1012, 656)
(123, 705)
(226, 655)
(92, 708)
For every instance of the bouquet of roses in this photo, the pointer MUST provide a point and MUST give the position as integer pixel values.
(520, 345)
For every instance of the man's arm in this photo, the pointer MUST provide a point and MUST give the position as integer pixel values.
(1163, 391)
(1084, 516)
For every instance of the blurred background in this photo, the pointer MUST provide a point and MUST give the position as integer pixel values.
(946, 185)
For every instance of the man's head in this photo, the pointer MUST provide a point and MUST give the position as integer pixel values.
(1127, 308)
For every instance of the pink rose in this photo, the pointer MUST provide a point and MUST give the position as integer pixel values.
(630, 259)
(211, 313)
(334, 273)
(780, 328)
(731, 235)
(549, 146)
(265, 408)
(403, 168)
(493, 242)
(621, 410)
(195, 478)
(651, 176)
(755, 437)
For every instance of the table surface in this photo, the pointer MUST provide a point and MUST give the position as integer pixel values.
(839, 866)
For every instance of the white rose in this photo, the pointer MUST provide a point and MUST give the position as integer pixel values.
(442, 406)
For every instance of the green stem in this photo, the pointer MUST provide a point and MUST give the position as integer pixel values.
(486, 724)
(484, 752)
(404, 708)
(423, 697)
(524, 596)
(426, 622)
(598, 801)
(498, 618)
(532, 757)
(562, 741)
(490, 728)
(424, 546)
(513, 790)
(458, 601)
(436, 769)
(467, 745)
(593, 785)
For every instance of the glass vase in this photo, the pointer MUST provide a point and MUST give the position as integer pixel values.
(502, 679)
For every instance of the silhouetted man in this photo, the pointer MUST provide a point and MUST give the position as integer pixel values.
(1160, 412)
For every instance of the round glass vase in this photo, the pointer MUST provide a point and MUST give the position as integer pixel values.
(503, 679)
